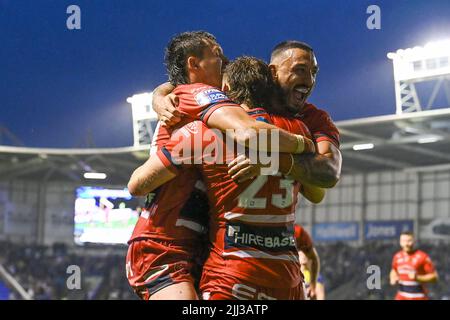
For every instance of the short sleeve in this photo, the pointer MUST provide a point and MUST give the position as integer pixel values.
(428, 265)
(321, 125)
(199, 101)
(185, 147)
(303, 239)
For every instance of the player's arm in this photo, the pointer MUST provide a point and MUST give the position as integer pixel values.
(165, 164)
(430, 275)
(312, 193)
(245, 128)
(241, 169)
(320, 291)
(393, 277)
(313, 256)
(165, 103)
(152, 174)
(427, 278)
(322, 169)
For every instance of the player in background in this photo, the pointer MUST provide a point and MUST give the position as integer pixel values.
(310, 264)
(411, 270)
(318, 293)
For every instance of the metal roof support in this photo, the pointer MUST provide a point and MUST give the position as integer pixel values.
(41, 208)
(415, 65)
(406, 97)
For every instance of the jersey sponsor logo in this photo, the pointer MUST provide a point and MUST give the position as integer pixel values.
(274, 239)
(209, 96)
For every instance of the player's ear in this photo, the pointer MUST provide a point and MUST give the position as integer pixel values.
(273, 70)
(192, 63)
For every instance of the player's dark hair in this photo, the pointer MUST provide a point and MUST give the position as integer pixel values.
(407, 233)
(290, 44)
(250, 81)
(179, 48)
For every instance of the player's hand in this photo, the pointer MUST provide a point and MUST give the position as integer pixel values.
(310, 147)
(166, 109)
(394, 279)
(240, 169)
(412, 276)
(311, 291)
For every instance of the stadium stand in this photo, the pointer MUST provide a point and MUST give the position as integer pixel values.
(42, 271)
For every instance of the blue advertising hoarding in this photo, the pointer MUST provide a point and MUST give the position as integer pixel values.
(385, 230)
(339, 231)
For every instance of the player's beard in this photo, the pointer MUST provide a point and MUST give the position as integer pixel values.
(280, 105)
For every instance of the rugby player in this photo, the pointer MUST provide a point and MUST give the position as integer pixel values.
(258, 270)
(411, 269)
(159, 260)
(294, 68)
(310, 263)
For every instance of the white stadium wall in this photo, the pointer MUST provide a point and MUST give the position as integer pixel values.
(36, 213)
(420, 197)
(18, 214)
(59, 213)
(44, 213)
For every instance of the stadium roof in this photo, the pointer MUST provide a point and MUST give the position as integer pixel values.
(417, 141)
(70, 164)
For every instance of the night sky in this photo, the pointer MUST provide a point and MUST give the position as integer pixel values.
(56, 85)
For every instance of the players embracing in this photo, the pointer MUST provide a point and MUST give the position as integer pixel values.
(251, 233)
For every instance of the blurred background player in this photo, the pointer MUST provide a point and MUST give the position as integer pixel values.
(411, 269)
(318, 293)
(310, 264)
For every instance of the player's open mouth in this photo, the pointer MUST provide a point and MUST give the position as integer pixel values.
(300, 92)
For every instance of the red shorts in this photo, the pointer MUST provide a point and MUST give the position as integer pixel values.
(152, 265)
(221, 286)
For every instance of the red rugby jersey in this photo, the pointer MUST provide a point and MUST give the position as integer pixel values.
(164, 218)
(416, 262)
(319, 124)
(252, 223)
(198, 101)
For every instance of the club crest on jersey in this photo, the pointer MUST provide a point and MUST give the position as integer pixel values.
(209, 96)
